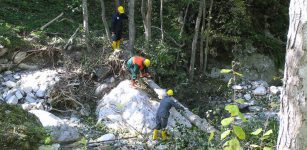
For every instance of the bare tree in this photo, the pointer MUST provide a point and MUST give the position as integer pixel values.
(201, 53)
(148, 22)
(207, 36)
(194, 43)
(293, 109)
(131, 26)
(161, 20)
(85, 24)
(104, 20)
(184, 20)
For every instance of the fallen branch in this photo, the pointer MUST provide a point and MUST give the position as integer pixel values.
(71, 39)
(47, 24)
(92, 144)
(194, 119)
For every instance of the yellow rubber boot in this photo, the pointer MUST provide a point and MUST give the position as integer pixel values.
(164, 136)
(114, 44)
(155, 134)
(118, 44)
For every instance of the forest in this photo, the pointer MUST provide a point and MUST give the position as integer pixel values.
(237, 68)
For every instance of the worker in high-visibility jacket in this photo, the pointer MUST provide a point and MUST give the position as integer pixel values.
(138, 67)
(163, 113)
(117, 26)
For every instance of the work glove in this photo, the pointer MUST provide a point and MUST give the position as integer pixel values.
(147, 75)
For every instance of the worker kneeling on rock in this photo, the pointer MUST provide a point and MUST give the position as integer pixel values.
(163, 113)
(138, 67)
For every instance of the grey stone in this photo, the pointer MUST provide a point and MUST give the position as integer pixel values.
(18, 95)
(41, 92)
(3, 51)
(255, 108)
(100, 90)
(247, 96)
(55, 146)
(16, 76)
(12, 100)
(30, 99)
(20, 56)
(237, 87)
(3, 61)
(10, 84)
(26, 106)
(27, 66)
(259, 91)
(274, 90)
(105, 137)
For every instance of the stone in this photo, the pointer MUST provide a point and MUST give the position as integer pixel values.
(12, 100)
(259, 91)
(3, 61)
(27, 66)
(10, 84)
(3, 51)
(237, 87)
(106, 137)
(60, 131)
(18, 94)
(16, 76)
(55, 146)
(101, 89)
(117, 107)
(274, 90)
(247, 96)
(26, 106)
(41, 93)
(20, 56)
(255, 108)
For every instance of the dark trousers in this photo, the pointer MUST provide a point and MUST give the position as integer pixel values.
(161, 122)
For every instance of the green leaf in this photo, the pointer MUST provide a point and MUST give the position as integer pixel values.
(225, 134)
(241, 116)
(240, 101)
(47, 140)
(268, 133)
(225, 71)
(227, 121)
(257, 131)
(233, 110)
(239, 132)
(211, 137)
(267, 148)
(232, 144)
(239, 74)
(264, 138)
(254, 145)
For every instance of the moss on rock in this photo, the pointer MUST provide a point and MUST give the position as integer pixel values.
(19, 129)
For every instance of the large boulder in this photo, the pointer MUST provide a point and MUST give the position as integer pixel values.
(129, 109)
(258, 66)
(60, 131)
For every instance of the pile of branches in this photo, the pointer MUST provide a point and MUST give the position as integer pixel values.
(73, 93)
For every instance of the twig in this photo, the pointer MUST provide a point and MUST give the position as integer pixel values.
(92, 144)
(71, 38)
(47, 24)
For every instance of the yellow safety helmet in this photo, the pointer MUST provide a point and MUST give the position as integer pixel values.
(170, 92)
(121, 9)
(147, 62)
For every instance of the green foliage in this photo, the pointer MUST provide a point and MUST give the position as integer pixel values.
(19, 129)
(9, 36)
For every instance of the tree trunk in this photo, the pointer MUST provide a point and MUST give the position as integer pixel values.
(207, 37)
(293, 109)
(104, 20)
(184, 20)
(143, 15)
(194, 43)
(201, 53)
(131, 27)
(85, 24)
(161, 20)
(148, 23)
(117, 3)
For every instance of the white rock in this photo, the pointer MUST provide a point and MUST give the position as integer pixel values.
(12, 100)
(274, 90)
(16, 76)
(18, 95)
(247, 96)
(237, 87)
(112, 79)
(49, 147)
(20, 57)
(259, 91)
(8, 72)
(10, 84)
(60, 132)
(101, 89)
(41, 93)
(117, 108)
(26, 106)
(106, 137)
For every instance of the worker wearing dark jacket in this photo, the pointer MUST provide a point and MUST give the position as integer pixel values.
(138, 67)
(163, 113)
(117, 26)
